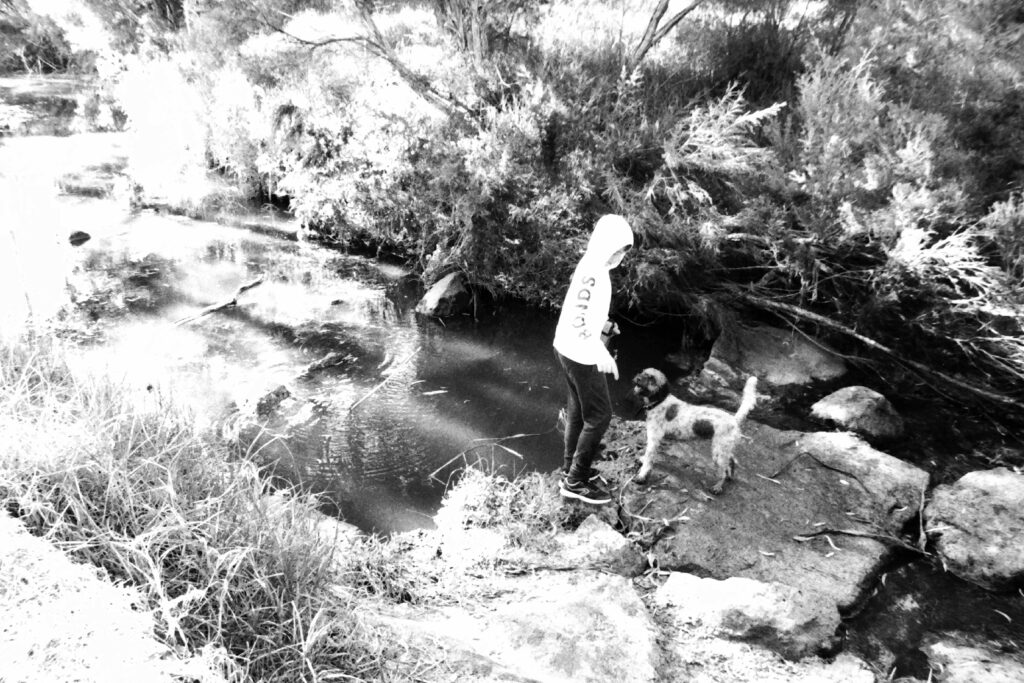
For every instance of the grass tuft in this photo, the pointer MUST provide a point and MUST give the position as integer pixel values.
(137, 489)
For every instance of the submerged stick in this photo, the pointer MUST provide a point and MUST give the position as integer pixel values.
(384, 381)
(233, 301)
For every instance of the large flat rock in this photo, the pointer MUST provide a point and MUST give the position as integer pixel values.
(574, 626)
(788, 484)
(793, 622)
(778, 358)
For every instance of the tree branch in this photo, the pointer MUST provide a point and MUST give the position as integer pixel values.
(378, 46)
(920, 368)
(653, 35)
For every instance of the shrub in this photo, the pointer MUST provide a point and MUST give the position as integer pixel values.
(30, 41)
(167, 152)
(1004, 227)
(970, 77)
(235, 127)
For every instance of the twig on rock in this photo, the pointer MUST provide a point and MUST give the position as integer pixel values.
(823, 464)
(803, 538)
(922, 537)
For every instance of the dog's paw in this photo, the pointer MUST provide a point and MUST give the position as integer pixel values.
(717, 488)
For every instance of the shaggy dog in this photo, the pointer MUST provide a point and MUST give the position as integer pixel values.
(668, 417)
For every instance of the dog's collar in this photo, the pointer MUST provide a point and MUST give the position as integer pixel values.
(657, 399)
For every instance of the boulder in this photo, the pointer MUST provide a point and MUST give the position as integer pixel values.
(713, 660)
(808, 510)
(547, 626)
(448, 296)
(597, 545)
(593, 545)
(327, 528)
(957, 658)
(978, 527)
(860, 410)
(794, 622)
(777, 357)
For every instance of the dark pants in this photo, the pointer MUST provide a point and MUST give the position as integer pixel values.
(588, 412)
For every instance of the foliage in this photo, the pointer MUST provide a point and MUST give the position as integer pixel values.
(831, 155)
(31, 42)
(965, 61)
(1003, 226)
(855, 146)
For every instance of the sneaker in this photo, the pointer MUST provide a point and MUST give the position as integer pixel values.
(585, 491)
(593, 476)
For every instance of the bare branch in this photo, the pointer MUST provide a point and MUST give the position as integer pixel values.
(653, 34)
(920, 368)
(378, 46)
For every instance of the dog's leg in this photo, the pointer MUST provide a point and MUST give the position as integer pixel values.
(647, 462)
(723, 451)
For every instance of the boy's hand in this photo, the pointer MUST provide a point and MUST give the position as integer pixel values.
(609, 332)
(609, 366)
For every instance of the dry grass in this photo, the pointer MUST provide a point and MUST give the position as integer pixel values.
(134, 488)
(129, 484)
(519, 509)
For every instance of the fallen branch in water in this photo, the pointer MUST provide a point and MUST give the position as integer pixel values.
(385, 380)
(233, 301)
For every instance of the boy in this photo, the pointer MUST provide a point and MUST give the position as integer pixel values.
(585, 359)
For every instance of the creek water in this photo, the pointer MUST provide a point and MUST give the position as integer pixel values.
(427, 396)
(411, 399)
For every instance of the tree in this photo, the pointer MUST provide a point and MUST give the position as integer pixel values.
(656, 31)
(30, 41)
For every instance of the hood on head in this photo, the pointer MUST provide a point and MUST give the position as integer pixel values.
(611, 233)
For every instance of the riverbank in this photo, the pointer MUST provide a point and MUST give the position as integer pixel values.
(130, 484)
(223, 565)
(254, 583)
(73, 622)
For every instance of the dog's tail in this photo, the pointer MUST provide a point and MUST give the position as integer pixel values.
(748, 401)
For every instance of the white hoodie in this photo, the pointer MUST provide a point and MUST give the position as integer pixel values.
(585, 309)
